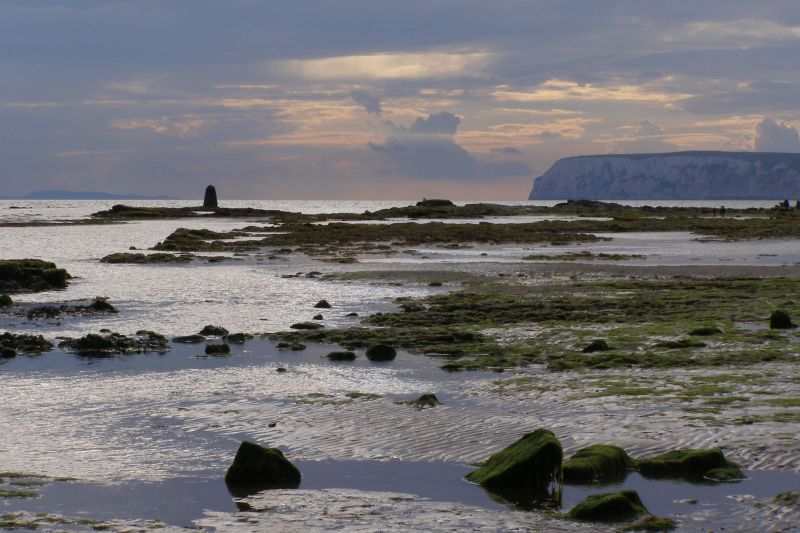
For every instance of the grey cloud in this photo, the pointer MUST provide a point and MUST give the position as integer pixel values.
(427, 150)
(370, 103)
(774, 136)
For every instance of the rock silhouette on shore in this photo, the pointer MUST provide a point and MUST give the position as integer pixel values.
(210, 199)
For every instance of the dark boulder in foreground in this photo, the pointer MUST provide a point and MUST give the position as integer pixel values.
(691, 464)
(6, 301)
(526, 473)
(780, 320)
(257, 468)
(599, 462)
(381, 352)
(609, 507)
(210, 198)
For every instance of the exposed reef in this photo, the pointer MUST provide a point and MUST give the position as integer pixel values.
(31, 275)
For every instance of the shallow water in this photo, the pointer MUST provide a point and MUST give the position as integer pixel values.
(150, 436)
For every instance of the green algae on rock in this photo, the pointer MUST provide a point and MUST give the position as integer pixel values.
(598, 462)
(6, 301)
(32, 275)
(341, 356)
(381, 352)
(597, 345)
(238, 338)
(424, 401)
(651, 523)
(145, 259)
(94, 345)
(691, 464)
(213, 331)
(256, 468)
(527, 472)
(21, 343)
(609, 507)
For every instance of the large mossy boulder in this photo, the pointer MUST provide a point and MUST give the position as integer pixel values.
(527, 472)
(693, 465)
(609, 507)
(599, 462)
(381, 352)
(780, 320)
(257, 468)
(31, 275)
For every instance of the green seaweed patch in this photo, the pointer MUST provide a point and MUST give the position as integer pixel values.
(681, 343)
(652, 523)
(706, 331)
(784, 402)
(598, 462)
(609, 507)
(691, 464)
(355, 395)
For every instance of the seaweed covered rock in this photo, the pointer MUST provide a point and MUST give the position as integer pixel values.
(381, 352)
(306, 325)
(94, 345)
(213, 331)
(7, 353)
(238, 338)
(341, 356)
(424, 401)
(691, 464)
(597, 345)
(599, 462)
(609, 507)
(145, 259)
(218, 349)
(526, 472)
(29, 344)
(780, 320)
(6, 301)
(33, 275)
(189, 339)
(257, 467)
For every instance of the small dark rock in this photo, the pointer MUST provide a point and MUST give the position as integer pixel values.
(780, 320)
(597, 345)
(7, 353)
(426, 400)
(256, 468)
(609, 507)
(317, 317)
(217, 349)
(381, 352)
(351, 314)
(322, 304)
(280, 370)
(306, 325)
(238, 338)
(6, 301)
(189, 339)
(342, 356)
(214, 331)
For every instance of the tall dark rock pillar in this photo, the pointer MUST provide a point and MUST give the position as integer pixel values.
(210, 199)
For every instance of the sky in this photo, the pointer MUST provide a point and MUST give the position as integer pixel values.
(374, 99)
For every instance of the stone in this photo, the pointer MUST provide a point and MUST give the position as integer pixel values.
(322, 304)
(780, 320)
(218, 349)
(214, 331)
(599, 462)
(189, 339)
(597, 345)
(692, 464)
(609, 507)
(6, 301)
(210, 198)
(257, 468)
(342, 356)
(381, 352)
(525, 471)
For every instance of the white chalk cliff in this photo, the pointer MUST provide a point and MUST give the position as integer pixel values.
(672, 176)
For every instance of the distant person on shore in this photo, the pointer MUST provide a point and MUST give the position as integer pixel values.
(797, 204)
(722, 211)
(785, 204)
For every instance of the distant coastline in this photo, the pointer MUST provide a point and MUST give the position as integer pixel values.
(83, 195)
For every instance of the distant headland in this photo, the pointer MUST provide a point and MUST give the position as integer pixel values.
(672, 176)
(83, 195)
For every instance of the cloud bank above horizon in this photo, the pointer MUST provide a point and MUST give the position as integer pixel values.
(361, 99)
